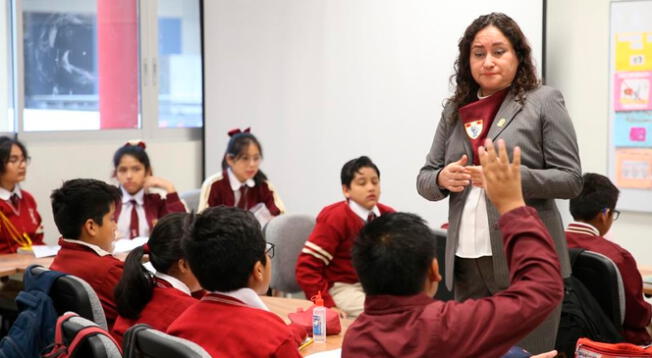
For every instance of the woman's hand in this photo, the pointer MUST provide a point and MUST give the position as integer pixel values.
(477, 179)
(454, 177)
(156, 182)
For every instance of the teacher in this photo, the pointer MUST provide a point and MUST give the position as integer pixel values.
(497, 95)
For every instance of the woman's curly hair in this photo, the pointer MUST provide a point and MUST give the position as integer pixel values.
(526, 78)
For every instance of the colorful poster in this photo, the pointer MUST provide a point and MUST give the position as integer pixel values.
(634, 51)
(632, 91)
(634, 168)
(633, 129)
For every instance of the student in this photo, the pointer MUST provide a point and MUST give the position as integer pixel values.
(324, 264)
(20, 222)
(156, 298)
(229, 257)
(594, 210)
(394, 257)
(139, 208)
(241, 183)
(84, 214)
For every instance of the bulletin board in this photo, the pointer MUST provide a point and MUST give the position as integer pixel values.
(630, 74)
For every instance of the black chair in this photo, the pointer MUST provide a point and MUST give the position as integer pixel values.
(71, 293)
(142, 341)
(601, 277)
(94, 346)
(443, 293)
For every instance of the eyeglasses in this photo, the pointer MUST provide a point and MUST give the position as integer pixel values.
(615, 214)
(19, 160)
(269, 249)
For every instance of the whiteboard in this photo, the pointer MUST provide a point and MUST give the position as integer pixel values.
(630, 101)
(322, 82)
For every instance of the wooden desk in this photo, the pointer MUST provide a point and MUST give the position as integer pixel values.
(646, 271)
(11, 264)
(282, 306)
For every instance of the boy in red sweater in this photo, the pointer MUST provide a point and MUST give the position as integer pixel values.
(324, 264)
(594, 210)
(84, 213)
(228, 255)
(395, 260)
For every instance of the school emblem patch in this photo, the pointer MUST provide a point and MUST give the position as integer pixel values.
(473, 128)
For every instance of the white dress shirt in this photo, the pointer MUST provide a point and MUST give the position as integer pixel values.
(124, 219)
(362, 212)
(247, 296)
(236, 184)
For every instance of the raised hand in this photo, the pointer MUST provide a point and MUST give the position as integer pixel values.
(502, 179)
(157, 182)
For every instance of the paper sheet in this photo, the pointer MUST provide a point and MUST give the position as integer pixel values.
(45, 250)
(335, 353)
(126, 245)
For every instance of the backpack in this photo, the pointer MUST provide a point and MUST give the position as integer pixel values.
(61, 349)
(582, 316)
(33, 329)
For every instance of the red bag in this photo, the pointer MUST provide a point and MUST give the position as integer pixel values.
(303, 318)
(587, 348)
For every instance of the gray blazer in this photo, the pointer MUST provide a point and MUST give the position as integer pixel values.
(550, 168)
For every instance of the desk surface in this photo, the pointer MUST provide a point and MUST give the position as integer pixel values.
(11, 264)
(282, 306)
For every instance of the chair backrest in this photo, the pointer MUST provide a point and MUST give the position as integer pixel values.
(602, 278)
(93, 346)
(142, 341)
(71, 293)
(288, 233)
(191, 199)
(443, 293)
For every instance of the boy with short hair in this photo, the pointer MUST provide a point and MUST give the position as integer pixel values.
(395, 260)
(324, 264)
(594, 211)
(84, 214)
(228, 255)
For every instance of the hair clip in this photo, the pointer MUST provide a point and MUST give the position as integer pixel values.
(146, 249)
(136, 143)
(236, 131)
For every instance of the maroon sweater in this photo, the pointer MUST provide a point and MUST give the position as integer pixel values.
(25, 219)
(226, 327)
(221, 193)
(637, 311)
(166, 305)
(418, 326)
(156, 207)
(102, 273)
(326, 257)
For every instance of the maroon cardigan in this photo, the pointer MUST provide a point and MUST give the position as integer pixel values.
(156, 207)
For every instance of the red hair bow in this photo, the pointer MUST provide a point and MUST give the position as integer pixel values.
(137, 143)
(146, 249)
(235, 131)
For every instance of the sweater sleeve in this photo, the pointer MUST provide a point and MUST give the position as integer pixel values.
(315, 256)
(173, 204)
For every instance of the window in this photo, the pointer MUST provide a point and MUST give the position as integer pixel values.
(106, 64)
(6, 65)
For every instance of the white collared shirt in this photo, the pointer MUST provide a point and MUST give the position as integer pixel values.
(474, 240)
(6, 194)
(98, 250)
(124, 220)
(247, 296)
(362, 212)
(236, 184)
(175, 282)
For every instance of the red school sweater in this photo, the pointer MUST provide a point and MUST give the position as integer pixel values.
(25, 219)
(326, 256)
(156, 207)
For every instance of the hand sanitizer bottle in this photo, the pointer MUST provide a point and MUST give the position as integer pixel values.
(319, 320)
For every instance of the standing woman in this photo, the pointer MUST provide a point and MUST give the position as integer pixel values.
(20, 222)
(497, 95)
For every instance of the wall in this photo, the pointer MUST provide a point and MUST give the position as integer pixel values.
(577, 62)
(54, 161)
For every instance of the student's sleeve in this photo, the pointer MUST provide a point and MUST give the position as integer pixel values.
(637, 311)
(316, 254)
(298, 333)
(490, 326)
(173, 204)
(561, 175)
(287, 349)
(272, 200)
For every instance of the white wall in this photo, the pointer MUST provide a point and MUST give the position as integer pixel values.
(325, 81)
(55, 161)
(577, 63)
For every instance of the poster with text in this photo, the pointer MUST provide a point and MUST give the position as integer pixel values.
(634, 168)
(634, 51)
(632, 91)
(633, 129)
